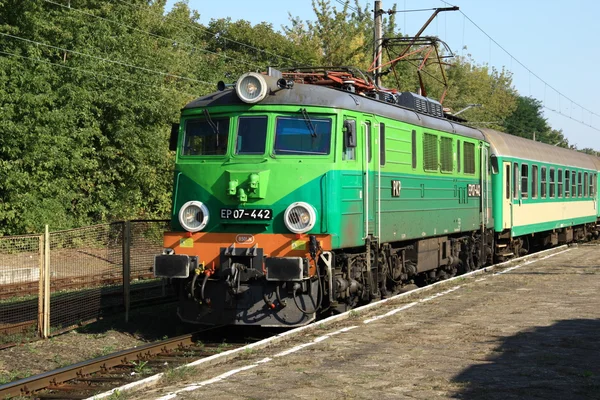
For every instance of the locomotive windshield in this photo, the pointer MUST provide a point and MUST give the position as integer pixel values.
(299, 136)
(206, 137)
(251, 135)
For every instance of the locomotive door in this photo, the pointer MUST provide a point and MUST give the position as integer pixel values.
(507, 186)
(369, 172)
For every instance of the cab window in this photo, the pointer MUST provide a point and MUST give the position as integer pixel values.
(205, 137)
(300, 136)
(251, 135)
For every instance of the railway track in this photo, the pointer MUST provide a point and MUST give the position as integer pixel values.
(84, 379)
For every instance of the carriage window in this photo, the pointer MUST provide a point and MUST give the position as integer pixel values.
(515, 180)
(573, 184)
(579, 186)
(251, 135)
(585, 184)
(552, 183)
(524, 180)
(299, 136)
(469, 163)
(206, 137)
(560, 183)
(567, 183)
(507, 173)
(593, 183)
(543, 187)
(534, 182)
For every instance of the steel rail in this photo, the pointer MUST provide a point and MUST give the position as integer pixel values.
(79, 371)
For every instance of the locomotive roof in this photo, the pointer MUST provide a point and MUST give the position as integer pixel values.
(503, 144)
(313, 95)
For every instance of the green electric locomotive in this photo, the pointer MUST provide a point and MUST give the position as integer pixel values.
(306, 191)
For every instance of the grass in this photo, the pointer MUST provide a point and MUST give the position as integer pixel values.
(12, 376)
(104, 351)
(118, 395)
(222, 347)
(141, 367)
(247, 353)
(173, 375)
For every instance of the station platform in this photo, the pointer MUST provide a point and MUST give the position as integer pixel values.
(528, 329)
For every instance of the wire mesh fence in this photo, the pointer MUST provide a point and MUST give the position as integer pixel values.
(86, 274)
(146, 242)
(20, 266)
(92, 272)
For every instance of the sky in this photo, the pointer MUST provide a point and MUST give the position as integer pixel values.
(551, 47)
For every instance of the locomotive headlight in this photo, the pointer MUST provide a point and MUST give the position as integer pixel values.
(251, 87)
(300, 217)
(193, 216)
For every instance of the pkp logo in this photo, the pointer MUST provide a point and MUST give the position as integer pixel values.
(244, 239)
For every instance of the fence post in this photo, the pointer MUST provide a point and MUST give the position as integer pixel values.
(46, 318)
(42, 280)
(126, 267)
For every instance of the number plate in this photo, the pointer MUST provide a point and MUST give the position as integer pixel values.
(258, 214)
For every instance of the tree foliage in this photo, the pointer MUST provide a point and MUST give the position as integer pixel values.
(88, 89)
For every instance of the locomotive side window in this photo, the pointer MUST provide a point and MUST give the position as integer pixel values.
(414, 149)
(543, 186)
(206, 137)
(552, 183)
(560, 183)
(367, 128)
(534, 182)
(382, 144)
(469, 163)
(458, 155)
(524, 180)
(567, 183)
(251, 135)
(299, 136)
(349, 141)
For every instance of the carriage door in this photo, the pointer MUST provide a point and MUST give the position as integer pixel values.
(369, 174)
(507, 186)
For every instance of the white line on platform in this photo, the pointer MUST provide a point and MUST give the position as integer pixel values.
(333, 318)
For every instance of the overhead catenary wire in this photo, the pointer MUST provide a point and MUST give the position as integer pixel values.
(171, 40)
(105, 59)
(220, 36)
(96, 74)
(465, 16)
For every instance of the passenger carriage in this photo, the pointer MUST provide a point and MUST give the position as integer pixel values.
(543, 194)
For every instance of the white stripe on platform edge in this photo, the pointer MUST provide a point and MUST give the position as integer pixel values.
(156, 377)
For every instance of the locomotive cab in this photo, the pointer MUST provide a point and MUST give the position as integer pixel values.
(249, 221)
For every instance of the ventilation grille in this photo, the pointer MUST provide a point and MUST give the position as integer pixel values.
(420, 104)
(469, 158)
(446, 154)
(430, 152)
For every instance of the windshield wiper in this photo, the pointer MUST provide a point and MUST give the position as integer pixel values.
(213, 126)
(313, 131)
